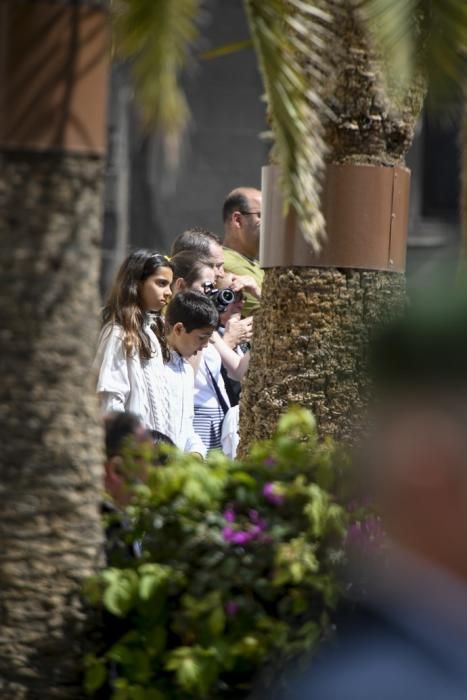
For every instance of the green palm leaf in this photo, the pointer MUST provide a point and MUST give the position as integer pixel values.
(291, 38)
(226, 49)
(427, 33)
(158, 36)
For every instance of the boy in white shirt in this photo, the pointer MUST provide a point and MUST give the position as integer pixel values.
(190, 320)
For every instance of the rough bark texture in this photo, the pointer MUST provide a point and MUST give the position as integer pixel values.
(51, 457)
(313, 326)
(368, 127)
(310, 350)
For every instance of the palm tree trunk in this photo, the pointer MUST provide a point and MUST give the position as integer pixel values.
(314, 323)
(52, 143)
(51, 457)
(309, 345)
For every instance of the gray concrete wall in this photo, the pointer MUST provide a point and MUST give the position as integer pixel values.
(221, 150)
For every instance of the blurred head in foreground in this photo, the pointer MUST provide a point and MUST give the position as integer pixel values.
(406, 635)
(125, 432)
(417, 454)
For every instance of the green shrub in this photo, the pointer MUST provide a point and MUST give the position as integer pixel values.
(238, 569)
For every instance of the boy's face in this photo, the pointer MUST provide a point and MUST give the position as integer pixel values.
(119, 476)
(188, 344)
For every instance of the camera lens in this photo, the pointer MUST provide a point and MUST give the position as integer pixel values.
(226, 296)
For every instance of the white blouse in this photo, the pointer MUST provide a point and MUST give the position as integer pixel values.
(230, 437)
(205, 394)
(134, 384)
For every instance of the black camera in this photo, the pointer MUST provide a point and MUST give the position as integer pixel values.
(221, 297)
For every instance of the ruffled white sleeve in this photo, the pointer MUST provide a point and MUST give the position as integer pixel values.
(113, 384)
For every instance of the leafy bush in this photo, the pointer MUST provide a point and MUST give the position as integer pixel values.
(237, 569)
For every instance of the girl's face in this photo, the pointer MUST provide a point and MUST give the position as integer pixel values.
(207, 275)
(155, 291)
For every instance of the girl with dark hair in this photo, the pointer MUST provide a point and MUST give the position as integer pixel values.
(132, 347)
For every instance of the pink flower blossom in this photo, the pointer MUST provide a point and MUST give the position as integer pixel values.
(229, 515)
(270, 462)
(252, 532)
(237, 536)
(231, 608)
(272, 494)
(259, 523)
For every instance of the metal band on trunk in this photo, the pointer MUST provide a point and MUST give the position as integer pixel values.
(54, 60)
(366, 210)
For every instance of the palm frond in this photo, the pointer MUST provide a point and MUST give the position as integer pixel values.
(226, 49)
(292, 40)
(427, 33)
(157, 36)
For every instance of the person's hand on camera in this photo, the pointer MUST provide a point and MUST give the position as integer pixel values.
(247, 284)
(238, 330)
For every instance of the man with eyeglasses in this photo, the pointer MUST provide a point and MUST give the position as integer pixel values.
(242, 219)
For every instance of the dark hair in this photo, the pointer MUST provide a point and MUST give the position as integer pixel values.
(188, 265)
(159, 438)
(193, 309)
(235, 201)
(119, 427)
(123, 304)
(161, 443)
(196, 239)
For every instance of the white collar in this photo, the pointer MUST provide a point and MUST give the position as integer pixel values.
(176, 358)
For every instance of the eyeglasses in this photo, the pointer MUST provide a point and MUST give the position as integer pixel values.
(251, 213)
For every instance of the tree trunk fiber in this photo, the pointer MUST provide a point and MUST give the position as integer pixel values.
(309, 346)
(314, 323)
(51, 457)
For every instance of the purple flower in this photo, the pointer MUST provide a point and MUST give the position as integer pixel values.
(253, 529)
(272, 494)
(229, 515)
(244, 536)
(259, 524)
(367, 534)
(270, 462)
(227, 533)
(231, 608)
(236, 536)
